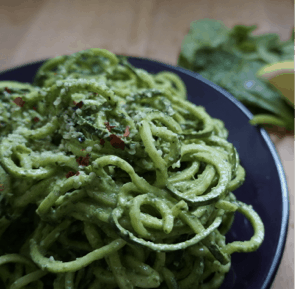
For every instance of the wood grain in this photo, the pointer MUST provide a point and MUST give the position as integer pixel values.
(36, 29)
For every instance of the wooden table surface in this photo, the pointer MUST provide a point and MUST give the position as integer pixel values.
(36, 29)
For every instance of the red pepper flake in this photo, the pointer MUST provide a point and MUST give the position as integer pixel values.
(127, 132)
(7, 90)
(83, 161)
(102, 141)
(108, 126)
(82, 150)
(34, 107)
(1, 187)
(19, 101)
(78, 104)
(36, 119)
(116, 142)
(71, 174)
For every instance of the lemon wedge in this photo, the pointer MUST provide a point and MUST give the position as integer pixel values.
(280, 75)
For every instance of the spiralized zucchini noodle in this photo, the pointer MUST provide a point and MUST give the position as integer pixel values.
(111, 178)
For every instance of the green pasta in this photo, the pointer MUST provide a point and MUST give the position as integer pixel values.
(110, 179)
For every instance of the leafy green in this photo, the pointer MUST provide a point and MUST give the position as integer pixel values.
(231, 58)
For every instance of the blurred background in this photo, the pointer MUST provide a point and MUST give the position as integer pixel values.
(32, 30)
(37, 29)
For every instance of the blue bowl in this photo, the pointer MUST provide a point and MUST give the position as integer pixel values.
(265, 187)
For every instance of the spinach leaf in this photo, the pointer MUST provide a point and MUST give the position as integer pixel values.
(231, 58)
(198, 38)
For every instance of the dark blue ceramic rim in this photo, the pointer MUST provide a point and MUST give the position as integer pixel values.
(141, 62)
